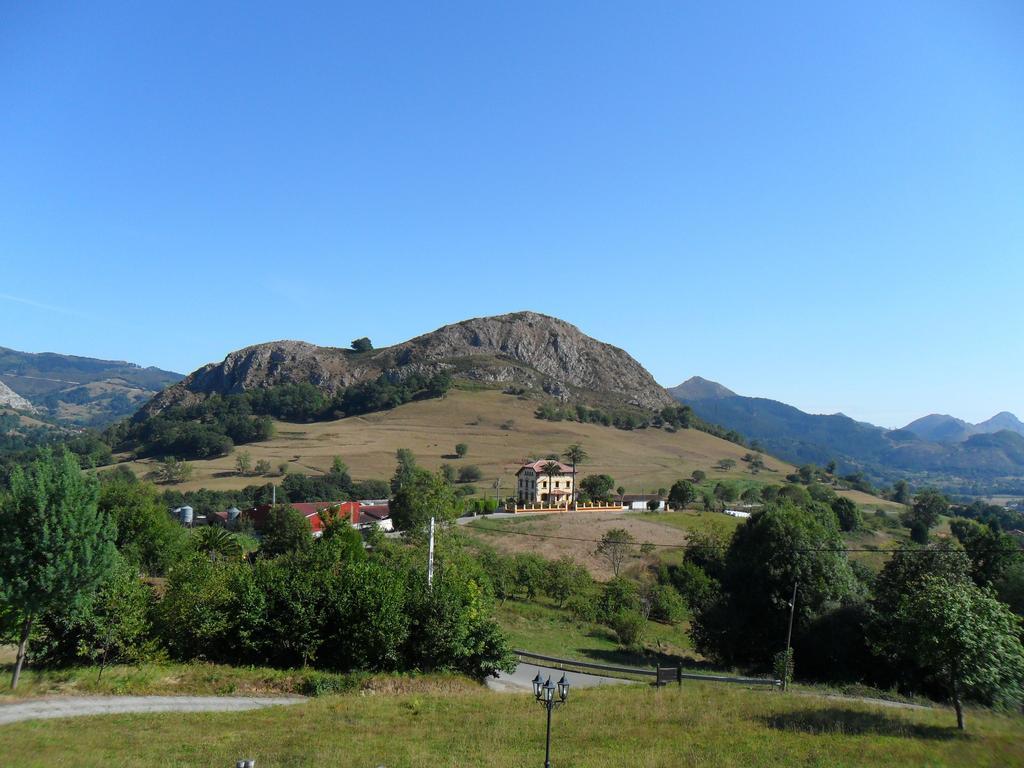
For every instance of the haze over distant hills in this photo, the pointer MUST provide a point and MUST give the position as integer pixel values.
(941, 428)
(934, 449)
(81, 391)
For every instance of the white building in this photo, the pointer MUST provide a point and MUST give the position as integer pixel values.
(532, 484)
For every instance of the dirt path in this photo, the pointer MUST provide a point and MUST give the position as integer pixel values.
(78, 706)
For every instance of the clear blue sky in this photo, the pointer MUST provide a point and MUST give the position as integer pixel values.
(821, 203)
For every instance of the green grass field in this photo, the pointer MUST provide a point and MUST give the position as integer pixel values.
(696, 725)
(543, 628)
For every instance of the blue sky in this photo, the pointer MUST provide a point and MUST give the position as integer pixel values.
(821, 203)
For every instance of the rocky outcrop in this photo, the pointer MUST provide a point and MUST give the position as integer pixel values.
(11, 399)
(529, 350)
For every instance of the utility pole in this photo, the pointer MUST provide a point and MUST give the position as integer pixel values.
(497, 489)
(789, 636)
(273, 495)
(430, 558)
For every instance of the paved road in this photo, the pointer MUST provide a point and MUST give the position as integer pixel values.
(522, 679)
(75, 706)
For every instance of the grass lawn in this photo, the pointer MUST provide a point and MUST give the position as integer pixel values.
(545, 629)
(696, 725)
(693, 521)
(200, 679)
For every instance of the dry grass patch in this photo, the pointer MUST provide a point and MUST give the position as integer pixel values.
(643, 459)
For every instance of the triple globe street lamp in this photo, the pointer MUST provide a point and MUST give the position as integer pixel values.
(544, 693)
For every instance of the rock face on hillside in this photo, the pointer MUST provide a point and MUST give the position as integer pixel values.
(80, 391)
(524, 349)
(11, 399)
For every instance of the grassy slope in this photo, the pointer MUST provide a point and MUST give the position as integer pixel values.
(641, 460)
(541, 627)
(698, 724)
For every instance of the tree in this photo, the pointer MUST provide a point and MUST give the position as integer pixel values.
(576, 455)
(448, 473)
(924, 515)
(615, 547)
(286, 530)
(551, 470)
(965, 639)
(461, 449)
(725, 492)
(216, 543)
(564, 578)
(725, 464)
(991, 551)
(111, 625)
(147, 537)
(338, 466)
(262, 467)
(425, 496)
(597, 487)
(848, 514)
(171, 470)
(406, 469)
(243, 462)
(622, 493)
(901, 492)
(470, 473)
(698, 476)
(56, 546)
(362, 344)
(831, 467)
(776, 547)
(681, 494)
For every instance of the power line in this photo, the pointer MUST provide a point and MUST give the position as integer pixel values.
(689, 545)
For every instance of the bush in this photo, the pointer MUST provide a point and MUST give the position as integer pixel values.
(583, 606)
(667, 605)
(618, 595)
(470, 473)
(323, 683)
(629, 626)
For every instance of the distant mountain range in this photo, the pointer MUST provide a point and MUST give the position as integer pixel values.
(940, 428)
(935, 449)
(80, 391)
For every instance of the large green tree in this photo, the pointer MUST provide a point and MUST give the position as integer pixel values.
(147, 536)
(597, 487)
(965, 639)
(777, 547)
(56, 546)
(286, 530)
(423, 496)
(681, 494)
(405, 470)
(924, 515)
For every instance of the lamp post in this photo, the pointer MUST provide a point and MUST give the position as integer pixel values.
(544, 693)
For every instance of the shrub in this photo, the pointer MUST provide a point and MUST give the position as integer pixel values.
(583, 606)
(470, 473)
(629, 626)
(667, 605)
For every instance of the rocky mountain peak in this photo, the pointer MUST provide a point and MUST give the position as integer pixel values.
(527, 349)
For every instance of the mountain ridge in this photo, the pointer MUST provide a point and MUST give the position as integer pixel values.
(77, 390)
(529, 350)
(994, 459)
